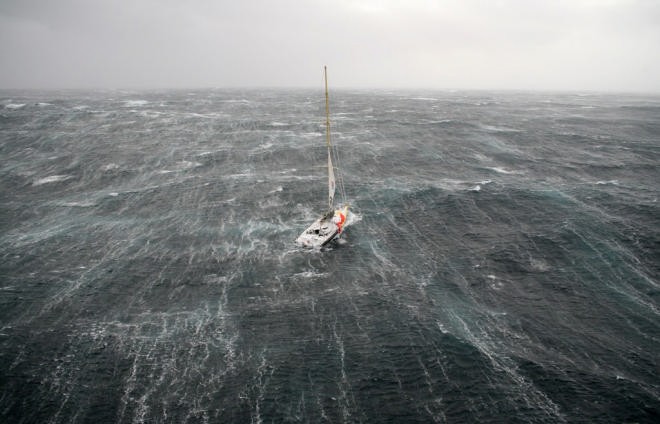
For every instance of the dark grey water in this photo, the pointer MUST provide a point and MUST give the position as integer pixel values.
(503, 263)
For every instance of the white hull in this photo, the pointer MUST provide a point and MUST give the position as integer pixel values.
(320, 233)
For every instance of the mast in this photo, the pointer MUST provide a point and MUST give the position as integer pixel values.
(327, 107)
(331, 174)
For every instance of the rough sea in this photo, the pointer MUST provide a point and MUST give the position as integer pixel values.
(502, 262)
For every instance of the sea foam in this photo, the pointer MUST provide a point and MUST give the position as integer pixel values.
(50, 179)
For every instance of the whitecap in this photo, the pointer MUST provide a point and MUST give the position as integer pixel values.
(51, 179)
(353, 217)
(186, 164)
(78, 204)
(241, 175)
(133, 103)
(309, 274)
(496, 283)
(436, 121)
(450, 184)
(109, 167)
(493, 128)
(478, 184)
(200, 115)
(608, 182)
(276, 190)
(181, 166)
(504, 171)
(310, 135)
(246, 101)
(539, 265)
(14, 105)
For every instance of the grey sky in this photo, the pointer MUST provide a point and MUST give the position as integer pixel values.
(611, 45)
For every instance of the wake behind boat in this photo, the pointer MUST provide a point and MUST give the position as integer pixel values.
(330, 226)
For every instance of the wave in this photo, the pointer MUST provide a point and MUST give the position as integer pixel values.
(493, 128)
(51, 179)
(78, 204)
(437, 298)
(277, 189)
(477, 187)
(500, 170)
(181, 166)
(110, 167)
(135, 103)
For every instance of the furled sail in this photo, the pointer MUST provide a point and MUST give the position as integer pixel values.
(331, 182)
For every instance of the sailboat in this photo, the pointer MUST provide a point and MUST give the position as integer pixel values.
(330, 226)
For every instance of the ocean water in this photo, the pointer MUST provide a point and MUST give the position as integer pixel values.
(502, 263)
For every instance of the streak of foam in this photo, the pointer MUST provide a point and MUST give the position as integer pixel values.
(488, 346)
(306, 275)
(500, 170)
(261, 380)
(346, 400)
(118, 249)
(618, 285)
(51, 179)
(160, 345)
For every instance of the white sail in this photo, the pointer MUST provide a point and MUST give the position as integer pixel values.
(331, 182)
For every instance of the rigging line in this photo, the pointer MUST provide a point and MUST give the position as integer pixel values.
(339, 176)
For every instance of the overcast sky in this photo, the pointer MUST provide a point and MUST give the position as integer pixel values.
(611, 45)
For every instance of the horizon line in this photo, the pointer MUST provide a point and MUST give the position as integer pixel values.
(338, 88)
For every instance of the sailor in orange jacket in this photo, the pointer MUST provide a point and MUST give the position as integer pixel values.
(339, 219)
